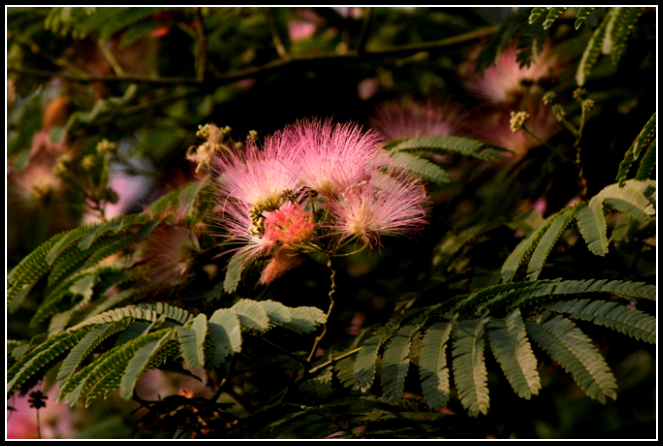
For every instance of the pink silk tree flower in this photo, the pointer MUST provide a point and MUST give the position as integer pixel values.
(283, 260)
(290, 224)
(333, 156)
(410, 118)
(506, 81)
(388, 205)
(260, 178)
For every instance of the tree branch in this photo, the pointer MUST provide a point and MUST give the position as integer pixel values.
(270, 67)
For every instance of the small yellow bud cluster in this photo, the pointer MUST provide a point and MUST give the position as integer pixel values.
(588, 104)
(579, 94)
(518, 120)
(88, 163)
(548, 98)
(202, 155)
(106, 147)
(62, 166)
(559, 112)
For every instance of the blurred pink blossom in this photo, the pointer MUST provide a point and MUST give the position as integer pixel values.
(492, 125)
(56, 419)
(506, 81)
(409, 118)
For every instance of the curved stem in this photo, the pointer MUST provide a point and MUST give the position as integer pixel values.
(332, 289)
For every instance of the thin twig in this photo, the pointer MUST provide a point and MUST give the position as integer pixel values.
(332, 289)
(333, 360)
(108, 54)
(270, 67)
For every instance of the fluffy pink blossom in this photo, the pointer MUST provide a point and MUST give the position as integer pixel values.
(410, 118)
(506, 80)
(387, 205)
(259, 178)
(333, 156)
(290, 224)
(266, 197)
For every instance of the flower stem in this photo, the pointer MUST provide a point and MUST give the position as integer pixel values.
(332, 289)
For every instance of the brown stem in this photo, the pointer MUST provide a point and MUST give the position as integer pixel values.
(332, 289)
(270, 67)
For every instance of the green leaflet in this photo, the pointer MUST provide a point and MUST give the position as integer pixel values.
(576, 353)
(582, 14)
(469, 366)
(644, 140)
(139, 363)
(87, 344)
(535, 14)
(433, 369)
(251, 314)
(25, 275)
(448, 145)
(631, 322)
(624, 25)
(236, 266)
(592, 51)
(41, 357)
(396, 361)
(225, 331)
(421, 167)
(365, 362)
(545, 245)
(593, 227)
(191, 338)
(524, 249)
(553, 14)
(303, 319)
(611, 26)
(509, 343)
(647, 163)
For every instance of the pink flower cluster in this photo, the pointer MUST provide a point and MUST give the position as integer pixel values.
(313, 186)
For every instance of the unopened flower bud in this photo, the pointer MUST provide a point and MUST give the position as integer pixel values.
(559, 112)
(62, 166)
(548, 98)
(253, 135)
(106, 147)
(518, 120)
(588, 104)
(579, 94)
(89, 162)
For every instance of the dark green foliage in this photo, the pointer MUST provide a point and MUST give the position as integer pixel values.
(645, 141)
(581, 15)
(631, 322)
(553, 14)
(509, 343)
(575, 352)
(469, 367)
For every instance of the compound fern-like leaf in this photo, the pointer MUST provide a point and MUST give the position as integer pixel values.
(396, 362)
(576, 353)
(225, 331)
(581, 15)
(509, 343)
(433, 369)
(139, 363)
(628, 321)
(545, 245)
(592, 51)
(469, 366)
